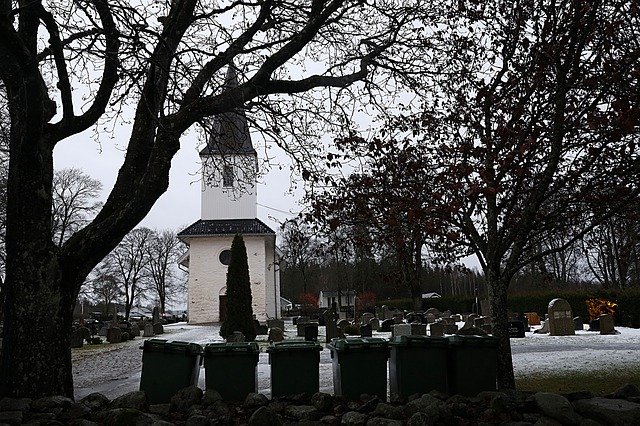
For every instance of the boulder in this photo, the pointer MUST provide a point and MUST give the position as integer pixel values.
(609, 411)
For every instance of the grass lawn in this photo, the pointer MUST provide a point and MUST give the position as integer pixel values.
(598, 382)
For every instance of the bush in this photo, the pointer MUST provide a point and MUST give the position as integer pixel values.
(239, 311)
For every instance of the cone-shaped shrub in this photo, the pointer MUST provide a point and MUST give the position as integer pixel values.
(239, 311)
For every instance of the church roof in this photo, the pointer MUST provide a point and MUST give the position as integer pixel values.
(230, 130)
(204, 228)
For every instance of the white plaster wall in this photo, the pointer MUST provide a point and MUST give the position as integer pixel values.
(207, 276)
(218, 202)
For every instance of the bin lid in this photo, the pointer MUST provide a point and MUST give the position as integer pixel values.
(418, 341)
(246, 347)
(363, 343)
(294, 345)
(161, 345)
(458, 340)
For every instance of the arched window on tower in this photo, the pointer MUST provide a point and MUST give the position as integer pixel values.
(227, 175)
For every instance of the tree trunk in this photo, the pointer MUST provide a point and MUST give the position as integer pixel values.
(498, 297)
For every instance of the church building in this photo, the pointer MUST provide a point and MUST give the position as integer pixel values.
(229, 207)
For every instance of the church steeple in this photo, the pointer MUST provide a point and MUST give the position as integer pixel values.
(230, 134)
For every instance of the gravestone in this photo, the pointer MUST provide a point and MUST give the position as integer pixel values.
(450, 328)
(401, 330)
(479, 322)
(606, 324)
(525, 322)
(276, 334)
(300, 320)
(544, 329)
(487, 328)
(485, 308)
(430, 318)
(578, 324)
(446, 314)
(560, 318)
(385, 326)
(261, 329)
(135, 330)
(418, 329)
(311, 332)
(332, 331)
(148, 330)
(472, 317)
(384, 313)
(155, 315)
(398, 318)
(366, 331)
(374, 323)
(448, 320)
(271, 323)
(103, 331)
(594, 325)
(78, 336)
(456, 318)
(436, 329)
(158, 328)
(365, 318)
(343, 323)
(433, 311)
(114, 335)
(516, 329)
(533, 318)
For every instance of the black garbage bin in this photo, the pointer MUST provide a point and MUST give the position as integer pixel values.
(295, 368)
(168, 367)
(417, 364)
(359, 367)
(472, 364)
(231, 369)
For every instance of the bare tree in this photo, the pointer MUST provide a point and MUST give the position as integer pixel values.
(69, 65)
(105, 289)
(74, 202)
(163, 249)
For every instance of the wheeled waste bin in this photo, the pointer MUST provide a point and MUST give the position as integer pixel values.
(231, 369)
(417, 364)
(472, 364)
(168, 367)
(359, 367)
(295, 368)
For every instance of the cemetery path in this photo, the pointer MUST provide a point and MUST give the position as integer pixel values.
(114, 369)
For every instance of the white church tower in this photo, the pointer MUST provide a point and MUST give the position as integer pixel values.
(229, 207)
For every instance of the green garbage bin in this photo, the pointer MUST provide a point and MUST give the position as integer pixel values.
(168, 367)
(295, 368)
(417, 364)
(359, 367)
(231, 369)
(472, 364)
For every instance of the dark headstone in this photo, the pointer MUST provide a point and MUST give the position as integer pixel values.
(275, 323)
(148, 330)
(366, 330)
(578, 324)
(261, 329)
(311, 332)
(606, 324)
(594, 325)
(155, 316)
(332, 331)
(560, 318)
(78, 336)
(158, 328)
(436, 329)
(385, 326)
(516, 329)
(276, 335)
(114, 335)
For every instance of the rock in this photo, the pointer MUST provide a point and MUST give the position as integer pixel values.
(574, 396)
(557, 407)
(547, 421)
(85, 422)
(197, 420)
(353, 418)
(136, 400)
(160, 409)
(419, 419)
(95, 401)
(301, 412)
(370, 404)
(221, 408)
(210, 396)
(330, 420)
(185, 398)
(75, 411)
(11, 417)
(14, 404)
(626, 391)
(381, 421)
(255, 400)
(437, 394)
(436, 409)
(124, 416)
(322, 401)
(264, 416)
(609, 411)
(388, 411)
(50, 403)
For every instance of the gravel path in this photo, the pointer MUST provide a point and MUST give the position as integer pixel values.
(114, 369)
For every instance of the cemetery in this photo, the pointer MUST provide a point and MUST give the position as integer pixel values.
(388, 367)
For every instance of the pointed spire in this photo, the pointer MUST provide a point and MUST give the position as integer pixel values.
(230, 130)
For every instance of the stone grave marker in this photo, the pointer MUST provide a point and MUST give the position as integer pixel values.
(430, 318)
(446, 314)
(331, 329)
(300, 327)
(236, 337)
(487, 328)
(523, 319)
(433, 311)
(516, 329)
(418, 329)
(155, 315)
(135, 330)
(78, 336)
(606, 324)
(343, 323)
(560, 318)
(384, 312)
(479, 322)
(485, 308)
(311, 332)
(275, 334)
(148, 330)
(385, 326)
(103, 331)
(578, 324)
(366, 330)
(456, 318)
(398, 318)
(544, 329)
(375, 324)
(436, 329)
(594, 325)
(114, 335)
(158, 328)
(261, 329)
(448, 320)
(365, 318)
(401, 330)
(450, 328)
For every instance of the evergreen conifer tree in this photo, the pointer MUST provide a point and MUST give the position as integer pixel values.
(239, 311)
